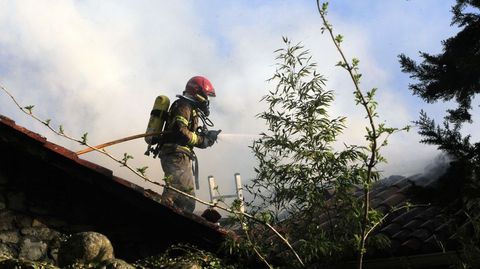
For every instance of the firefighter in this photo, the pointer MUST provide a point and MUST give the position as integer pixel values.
(182, 135)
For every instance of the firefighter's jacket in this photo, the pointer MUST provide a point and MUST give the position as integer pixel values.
(181, 128)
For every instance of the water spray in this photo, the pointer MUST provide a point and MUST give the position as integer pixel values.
(232, 136)
(238, 135)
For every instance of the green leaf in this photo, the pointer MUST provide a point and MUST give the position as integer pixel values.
(84, 139)
(168, 180)
(142, 170)
(339, 39)
(355, 62)
(324, 6)
(29, 108)
(125, 158)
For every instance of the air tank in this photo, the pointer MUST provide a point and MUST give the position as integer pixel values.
(158, 116)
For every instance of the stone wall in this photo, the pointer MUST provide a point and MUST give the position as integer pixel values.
(27, 231)
(42, 204)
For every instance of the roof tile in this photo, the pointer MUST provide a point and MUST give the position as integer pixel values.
(401, 234)
(413, 224)
(421, 234)
(394, 200)
(61, 150)
(406, 214)
(405, 183)
(431, 224)
(410, 246)
(391, 229)
(7, 121)
(432, 244)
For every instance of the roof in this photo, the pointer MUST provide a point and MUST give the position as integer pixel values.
(418, 234)
(111, 201)
(422, 216)
(416, 229)
(418, 222)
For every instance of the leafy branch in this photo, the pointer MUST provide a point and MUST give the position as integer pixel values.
(372, 136)
(374, 132)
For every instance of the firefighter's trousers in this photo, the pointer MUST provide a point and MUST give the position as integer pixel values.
(178, 171)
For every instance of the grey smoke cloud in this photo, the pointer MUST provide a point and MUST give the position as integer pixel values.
(97, 66)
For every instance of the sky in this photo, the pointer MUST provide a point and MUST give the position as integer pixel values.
(97, 66)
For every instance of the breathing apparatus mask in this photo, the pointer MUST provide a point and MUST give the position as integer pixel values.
(203, 104)
(200, 102)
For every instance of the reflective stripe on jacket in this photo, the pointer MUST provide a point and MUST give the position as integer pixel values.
(181, 125)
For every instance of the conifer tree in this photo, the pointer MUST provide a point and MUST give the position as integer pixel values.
(454, 74)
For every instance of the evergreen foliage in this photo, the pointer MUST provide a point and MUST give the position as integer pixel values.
(455, 73)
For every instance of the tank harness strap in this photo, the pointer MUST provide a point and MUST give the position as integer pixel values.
(195, 169)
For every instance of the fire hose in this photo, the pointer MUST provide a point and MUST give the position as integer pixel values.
(121, 140)
(118, 141)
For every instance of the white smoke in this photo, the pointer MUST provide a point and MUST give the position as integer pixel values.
(97, 66)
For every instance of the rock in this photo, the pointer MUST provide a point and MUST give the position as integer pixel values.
(9, 237)
(6, 221)
(115, 264)
(85, 247)
(54, 246)
(32, 251)
(40, 233)
(22, 220)
(6, 251)
(53, 254)
(38, 223)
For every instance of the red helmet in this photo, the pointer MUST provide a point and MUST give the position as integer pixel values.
(200, 85)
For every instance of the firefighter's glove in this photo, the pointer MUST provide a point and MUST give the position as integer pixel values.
(213, 135)
(209, 138)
